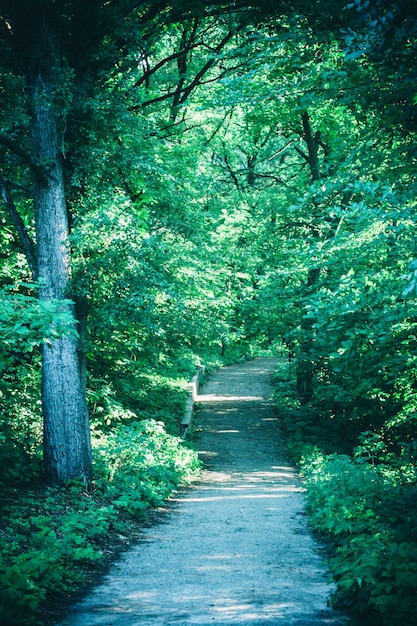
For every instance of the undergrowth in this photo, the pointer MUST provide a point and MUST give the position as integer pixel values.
(361, 501)
(54, 540)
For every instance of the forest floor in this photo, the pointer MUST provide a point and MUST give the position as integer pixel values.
(235, 548)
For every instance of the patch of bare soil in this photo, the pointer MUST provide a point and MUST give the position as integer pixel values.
(233, 549)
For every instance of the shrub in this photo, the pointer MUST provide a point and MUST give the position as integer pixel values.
(140, 464)
(366, 514)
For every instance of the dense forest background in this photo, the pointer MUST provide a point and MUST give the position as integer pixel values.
(188, 183)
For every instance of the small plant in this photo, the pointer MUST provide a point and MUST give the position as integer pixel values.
(140, 464)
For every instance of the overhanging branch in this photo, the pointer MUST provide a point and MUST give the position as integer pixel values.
(25, 156)
(26, 241)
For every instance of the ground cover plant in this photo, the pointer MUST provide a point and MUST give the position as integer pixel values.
(56, 540)
(361, 503)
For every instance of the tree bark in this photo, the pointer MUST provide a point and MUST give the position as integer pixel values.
(67, 450)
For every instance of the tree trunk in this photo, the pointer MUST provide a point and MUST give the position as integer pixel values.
(312, 145)
(67, 450)
(304, 369)
(304, 363)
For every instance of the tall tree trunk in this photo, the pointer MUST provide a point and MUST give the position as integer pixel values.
(67, 450)
(304, 363)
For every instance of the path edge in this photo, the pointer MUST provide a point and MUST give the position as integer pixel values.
(192, 393)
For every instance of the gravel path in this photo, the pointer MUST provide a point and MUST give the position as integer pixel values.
(235, 548)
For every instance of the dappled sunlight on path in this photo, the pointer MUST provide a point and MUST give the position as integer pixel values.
(226, 398)
(235, 548)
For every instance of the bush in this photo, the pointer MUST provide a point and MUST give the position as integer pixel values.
(140, 464)
(366, 514)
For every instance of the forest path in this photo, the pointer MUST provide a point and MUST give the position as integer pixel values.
(233, 549)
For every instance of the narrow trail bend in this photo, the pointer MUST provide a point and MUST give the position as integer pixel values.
(235, 548)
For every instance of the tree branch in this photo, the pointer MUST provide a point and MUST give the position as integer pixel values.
(26, 241)
(149, 72)
(26, 157)
(303, 154)
(231, 172)
(219, 126)
(184, 92)
(207, 66)
(142, 105)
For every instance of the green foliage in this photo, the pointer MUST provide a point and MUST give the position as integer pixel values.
(26, 323)
(361, 504)
(140, 464)
(52, 539)
(115, 401)
(47, 539)
(366, 514)
(302, 425)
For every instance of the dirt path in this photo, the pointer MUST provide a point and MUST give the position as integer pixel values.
(235, 549)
